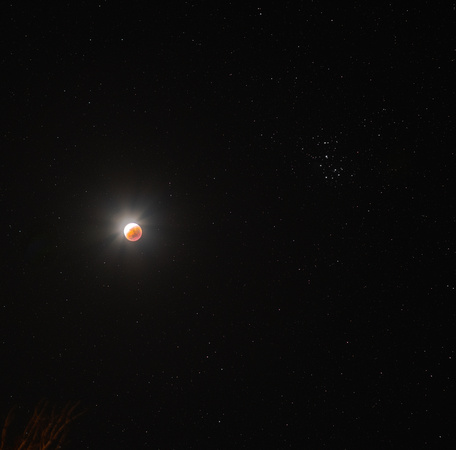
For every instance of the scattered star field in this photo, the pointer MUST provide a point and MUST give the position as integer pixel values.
(291, 168)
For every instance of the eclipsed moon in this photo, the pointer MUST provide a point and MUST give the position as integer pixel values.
(133, 232)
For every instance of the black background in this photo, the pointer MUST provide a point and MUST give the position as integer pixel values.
(291, 166)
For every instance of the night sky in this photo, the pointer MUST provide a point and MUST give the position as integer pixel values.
(291, 167)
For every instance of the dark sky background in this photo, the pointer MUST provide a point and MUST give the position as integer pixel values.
(291, 168)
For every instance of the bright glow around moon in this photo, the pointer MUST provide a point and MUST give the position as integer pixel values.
(133, 232)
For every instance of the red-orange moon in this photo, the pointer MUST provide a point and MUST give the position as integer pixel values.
(133, 232)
